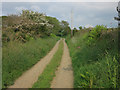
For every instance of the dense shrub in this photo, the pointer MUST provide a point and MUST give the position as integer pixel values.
(96, 64)
(95, 33)
(31, 25)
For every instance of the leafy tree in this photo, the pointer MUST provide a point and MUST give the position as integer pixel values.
(33, 25)
(80, 27)
(95, 33)
(56, 24)
(74, 30)
(65, 27)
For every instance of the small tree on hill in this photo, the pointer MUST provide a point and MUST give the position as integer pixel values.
(80, 27)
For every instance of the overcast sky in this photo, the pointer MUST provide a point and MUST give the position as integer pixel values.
(84, 13)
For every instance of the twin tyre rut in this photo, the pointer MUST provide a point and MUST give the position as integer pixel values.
(64, 73)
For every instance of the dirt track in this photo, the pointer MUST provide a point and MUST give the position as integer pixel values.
(31, 76)
(64, 74)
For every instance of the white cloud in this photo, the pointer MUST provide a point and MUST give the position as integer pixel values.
(60, 0)
(84, 13)
(88, 25)
(0, 9)
(57, 9)
(95, 6)
(19, 9)
(35, 8)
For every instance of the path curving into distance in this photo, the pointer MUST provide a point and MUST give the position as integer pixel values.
(31, 76)
(64, 74)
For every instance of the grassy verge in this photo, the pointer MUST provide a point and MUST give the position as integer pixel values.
(95, 66)
(18, 57)
(49, 72)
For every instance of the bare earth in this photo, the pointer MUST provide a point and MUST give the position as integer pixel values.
(64, 74)
(31, 76)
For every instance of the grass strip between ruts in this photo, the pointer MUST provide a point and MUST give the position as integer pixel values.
(44, 80)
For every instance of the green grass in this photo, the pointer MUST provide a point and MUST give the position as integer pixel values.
(18, 57)
(46, 77)
(94, 66)
(0, 67)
